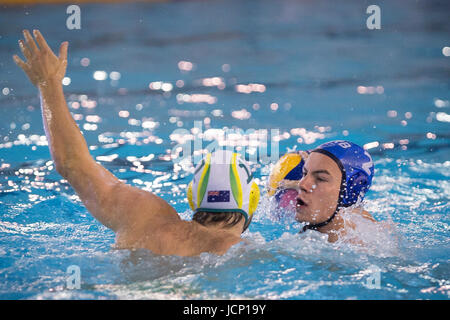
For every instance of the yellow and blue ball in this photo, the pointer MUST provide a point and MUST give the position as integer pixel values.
(288, 167)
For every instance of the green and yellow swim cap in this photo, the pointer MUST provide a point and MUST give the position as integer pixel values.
(223, 182)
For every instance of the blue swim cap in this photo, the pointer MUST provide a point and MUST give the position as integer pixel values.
(356, 166)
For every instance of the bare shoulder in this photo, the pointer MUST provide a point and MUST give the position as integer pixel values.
(363, 213)
(153, 224)
(140, 208)
(182, 238)
(387, 225)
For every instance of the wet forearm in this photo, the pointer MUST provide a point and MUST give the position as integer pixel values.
(67, 144)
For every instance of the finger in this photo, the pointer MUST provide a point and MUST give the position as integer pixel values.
(20, 62)
(41, 41)
(63, 51)
(25, 50)
(62, 68)
(30, 42)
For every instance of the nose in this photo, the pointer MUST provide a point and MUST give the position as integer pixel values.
(305, 184)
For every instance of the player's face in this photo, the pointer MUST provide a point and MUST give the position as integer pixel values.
(319, 189)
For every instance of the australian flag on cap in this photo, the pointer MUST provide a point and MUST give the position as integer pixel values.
(219, 196)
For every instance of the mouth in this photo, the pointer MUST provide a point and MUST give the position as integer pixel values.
(300, 203)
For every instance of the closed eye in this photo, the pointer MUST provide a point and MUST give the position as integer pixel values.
(318, 174)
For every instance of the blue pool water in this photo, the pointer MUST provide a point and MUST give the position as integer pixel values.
(321, 75)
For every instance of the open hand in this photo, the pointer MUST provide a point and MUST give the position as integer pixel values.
(41, 65)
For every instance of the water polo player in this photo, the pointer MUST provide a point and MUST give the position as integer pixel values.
(333, 176)
(222, 193)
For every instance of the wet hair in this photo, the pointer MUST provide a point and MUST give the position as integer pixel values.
(230, 219)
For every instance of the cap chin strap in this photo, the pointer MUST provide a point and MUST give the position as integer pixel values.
(321, 224)
(316, 226)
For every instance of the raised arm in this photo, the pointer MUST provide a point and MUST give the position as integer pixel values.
(115, 204)
(140, 219)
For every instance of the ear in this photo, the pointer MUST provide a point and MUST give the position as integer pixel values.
(360, 184)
